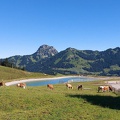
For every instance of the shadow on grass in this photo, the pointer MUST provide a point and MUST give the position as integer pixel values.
(103, 101)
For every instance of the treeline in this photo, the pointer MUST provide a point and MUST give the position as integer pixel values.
(6, 63)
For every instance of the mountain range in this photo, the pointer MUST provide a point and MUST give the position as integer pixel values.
(70, 61)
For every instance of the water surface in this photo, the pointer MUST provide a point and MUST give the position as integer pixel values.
(59, 80)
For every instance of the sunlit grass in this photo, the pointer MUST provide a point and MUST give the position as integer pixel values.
(41, 103)
(10, 74)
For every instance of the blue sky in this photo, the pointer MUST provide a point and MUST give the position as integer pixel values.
(25, 25)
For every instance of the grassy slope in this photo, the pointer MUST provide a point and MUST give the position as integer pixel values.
(9, 74)
(41, 103)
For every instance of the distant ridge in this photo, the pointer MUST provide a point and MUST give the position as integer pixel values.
(71, 61)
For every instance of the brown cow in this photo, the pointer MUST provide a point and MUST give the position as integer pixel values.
(79, 87)
(69, 86)
(50, 86)
(22, 85)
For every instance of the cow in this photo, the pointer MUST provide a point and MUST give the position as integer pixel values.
(104, 88)
(69, 86)
(2, 83)
(22, 85)
(80, 87)
(50, 86)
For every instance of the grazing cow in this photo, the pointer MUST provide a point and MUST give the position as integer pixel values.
(50, 86)
(2, 83)
(22, 85)
(110, 88)
(104, 88)
(69, 86)
(80, 87)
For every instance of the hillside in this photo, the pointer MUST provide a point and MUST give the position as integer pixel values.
(26, 61)
(70, 61)
(8, 74)
(73, 61)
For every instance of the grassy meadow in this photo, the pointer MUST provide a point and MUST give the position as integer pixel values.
(41, 103)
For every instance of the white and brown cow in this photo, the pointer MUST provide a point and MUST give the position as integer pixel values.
(22, 85)
(69, 86)
(104, 88)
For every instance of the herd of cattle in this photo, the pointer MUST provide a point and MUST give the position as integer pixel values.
(80, 87)
(68, 85)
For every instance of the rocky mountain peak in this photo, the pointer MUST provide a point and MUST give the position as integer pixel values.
(46, 51)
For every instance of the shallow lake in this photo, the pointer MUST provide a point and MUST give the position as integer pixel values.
(59, 81)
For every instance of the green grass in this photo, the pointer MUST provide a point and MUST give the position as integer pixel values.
(9, 74)
(41, 103)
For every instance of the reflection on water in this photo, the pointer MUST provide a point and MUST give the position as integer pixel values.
(58, 81)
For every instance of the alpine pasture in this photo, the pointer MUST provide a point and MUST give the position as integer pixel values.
(41, 103)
